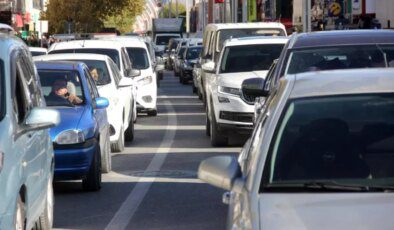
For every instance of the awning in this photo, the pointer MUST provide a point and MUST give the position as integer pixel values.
(19, 21)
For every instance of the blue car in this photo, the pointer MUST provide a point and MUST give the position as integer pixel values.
(81, 141)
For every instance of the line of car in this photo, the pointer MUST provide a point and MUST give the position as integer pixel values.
(321, 120)
(88, 92)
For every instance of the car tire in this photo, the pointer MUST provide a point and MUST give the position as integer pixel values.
(119, 145)
(194, 89)
(152, 113)
(129, 133)
(106, 163)
(92, 182)
(207, 124)
(199, 94)
(217, 137)
(45, 221)
(20, 215)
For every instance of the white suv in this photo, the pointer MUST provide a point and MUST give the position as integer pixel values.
(228, 109)
(113, 86)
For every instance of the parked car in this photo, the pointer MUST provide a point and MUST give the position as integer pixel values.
(146, 81)
(113, 86)
(178, 60)
(228, 109)
(172, 45)
(329, 50)
(82, 140)
(216, 34)
(26, 152)
(111, 48)
(320, 156)
(189, 59)
(197, 86)
(36, 51)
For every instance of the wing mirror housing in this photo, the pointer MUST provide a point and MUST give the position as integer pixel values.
(209, 67)
(159, 68)
(254, 87)
(101, 103)
(219, 171)
(134, 73)
(42, 118)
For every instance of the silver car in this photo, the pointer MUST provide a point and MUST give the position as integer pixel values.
(320, 156)
(26, 153)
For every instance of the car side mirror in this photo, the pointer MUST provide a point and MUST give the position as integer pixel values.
(42, 118)
(159, 68)
(219, 171)
(101, 103)
(209, 67)
(134, 73)
(254, 87)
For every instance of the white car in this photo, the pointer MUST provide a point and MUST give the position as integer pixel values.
(113, 49)
(37, 51)
(114, 87)
(147, 81)
(320, 157)
(228, 109)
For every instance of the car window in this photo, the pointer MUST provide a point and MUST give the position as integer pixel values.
(193, 53)
(115, 72)
(344, 57)
(92, 86)
(21, 96)
(126, 60)
(138, 57)
(249, 57)
(2, 91)
(346, 139)
(52, 79)
(101, 69)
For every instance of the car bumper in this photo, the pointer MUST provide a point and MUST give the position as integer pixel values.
(147, 96)
(73, 161)
(187, 74)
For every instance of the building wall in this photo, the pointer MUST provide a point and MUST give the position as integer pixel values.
(385, 11)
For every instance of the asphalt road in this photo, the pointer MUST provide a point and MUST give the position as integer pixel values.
(154, 182)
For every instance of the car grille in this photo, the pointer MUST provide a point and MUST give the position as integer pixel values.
(236, 116)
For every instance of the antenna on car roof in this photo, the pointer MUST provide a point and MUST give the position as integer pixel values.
(83, 44)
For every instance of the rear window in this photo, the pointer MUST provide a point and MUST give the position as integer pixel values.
(101, 69)
(193, 53)
(112, 53)
(138, 57)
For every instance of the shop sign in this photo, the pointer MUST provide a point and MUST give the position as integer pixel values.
(356, 4)
(252, 10)
(335, 9)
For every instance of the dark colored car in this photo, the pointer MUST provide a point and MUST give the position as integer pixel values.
(173, 43)
(190, 58)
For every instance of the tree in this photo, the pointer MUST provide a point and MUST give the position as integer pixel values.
(125, 17)
(90, 15)
(181, 10)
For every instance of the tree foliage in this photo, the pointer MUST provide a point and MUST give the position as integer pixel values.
(181, 10)
(90, 15)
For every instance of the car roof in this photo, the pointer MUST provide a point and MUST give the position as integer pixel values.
(342, 82)
(59, 65)
(220, 26)
(7, 41)
(131, 42)
(342, 37)
(38, 49)
(256, 40)
(80, 44)
(71, 56)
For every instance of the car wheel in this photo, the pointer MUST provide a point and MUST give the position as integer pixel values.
(19, 217)
(194, 88)
(152, 112)
(107, 160)
(199, 94)
(207, 124)
(129, 134)
(45, 221)
(217, 138)
(92, 182)
(119, 145)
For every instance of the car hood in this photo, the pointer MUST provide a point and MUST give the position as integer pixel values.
(69, 119)
(326, 211)
(235, 79)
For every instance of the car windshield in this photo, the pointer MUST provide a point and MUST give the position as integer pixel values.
(37, 53)
(342, 139)
(98, 70)
(138, 57)
(237, 33)
(112, 53)
(61, 87)
(164, 39)
(345, 57)
(193, 53)
(174, 44)
(181, 51)
(249, 57)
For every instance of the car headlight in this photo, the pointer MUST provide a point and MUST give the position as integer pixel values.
(70, 137)
(229, 90)
(145, 80)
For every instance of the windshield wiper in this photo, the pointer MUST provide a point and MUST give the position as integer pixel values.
(331, 186)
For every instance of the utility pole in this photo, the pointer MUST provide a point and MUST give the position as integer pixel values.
(187, 18)
(176, 9)
(306, 16)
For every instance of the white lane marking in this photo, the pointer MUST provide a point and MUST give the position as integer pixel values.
(147, 150)
(126, 212)
(181, 114)
(169, 127)
(176, 97)
(180, 104)
(117, 177)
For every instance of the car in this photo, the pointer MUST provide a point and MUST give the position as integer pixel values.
(197, 86)
(189, 59)
(178, 60)
(172, 45)
(113, 86)
(147, 81)
(329, 50)
(82, 139)
(320, 156)
(26, 151)
(36, 51)
(216, 34)
(228, 109)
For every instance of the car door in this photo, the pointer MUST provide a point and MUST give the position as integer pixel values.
(31, 145)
